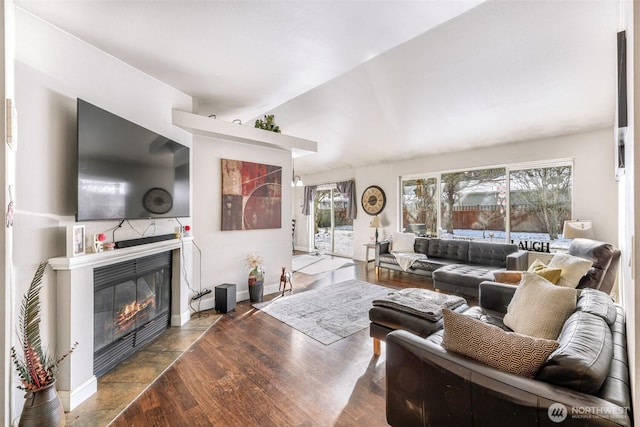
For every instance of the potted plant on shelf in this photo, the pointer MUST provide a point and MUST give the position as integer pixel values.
(254, 262)
(269, 123)
(36, 367)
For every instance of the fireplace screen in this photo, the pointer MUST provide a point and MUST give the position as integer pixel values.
(125, 306)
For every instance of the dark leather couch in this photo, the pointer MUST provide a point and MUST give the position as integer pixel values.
(456, 266)
(430, 386)
(605, 257)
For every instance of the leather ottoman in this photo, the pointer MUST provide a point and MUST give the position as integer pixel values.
(388, 319)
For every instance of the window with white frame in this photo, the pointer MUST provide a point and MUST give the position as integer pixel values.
(511, 203)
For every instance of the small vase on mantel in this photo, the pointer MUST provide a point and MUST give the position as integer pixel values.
(256, 284)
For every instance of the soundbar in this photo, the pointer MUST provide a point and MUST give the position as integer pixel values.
(144, 240)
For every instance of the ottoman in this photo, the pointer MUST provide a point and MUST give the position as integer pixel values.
(415, 310)
(462, 279)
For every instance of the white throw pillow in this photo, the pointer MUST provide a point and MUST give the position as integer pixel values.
(573, 268)
(403, 242)
(539, 308)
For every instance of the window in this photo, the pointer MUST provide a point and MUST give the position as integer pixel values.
(502, 203)
(333, 231)
(473, 204)
(420, 206)
(540, 202)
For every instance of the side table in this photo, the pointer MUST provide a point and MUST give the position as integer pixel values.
(369, 246)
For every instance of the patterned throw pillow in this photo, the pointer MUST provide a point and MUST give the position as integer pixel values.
(573, 268)
(551, 274)
(539, 308)
(507, 351)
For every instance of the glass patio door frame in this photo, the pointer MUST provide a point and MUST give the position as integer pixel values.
(333, 193)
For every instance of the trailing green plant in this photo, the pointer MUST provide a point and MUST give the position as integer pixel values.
(36, 368)
(269, 123)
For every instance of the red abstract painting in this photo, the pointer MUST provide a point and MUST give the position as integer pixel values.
(251, 195)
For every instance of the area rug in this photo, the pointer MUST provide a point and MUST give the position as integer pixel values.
(316, 264)
(327, 314)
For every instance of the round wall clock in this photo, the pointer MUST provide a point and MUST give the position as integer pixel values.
(373, 200)
(157, 200)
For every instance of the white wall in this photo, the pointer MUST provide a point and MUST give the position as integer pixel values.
(52, 70)
(629, 203)
(595, 193)
(7, 180)
(224, 252)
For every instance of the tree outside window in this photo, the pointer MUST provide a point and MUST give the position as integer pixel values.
(420, 206)
(473, 204)
(540, 201)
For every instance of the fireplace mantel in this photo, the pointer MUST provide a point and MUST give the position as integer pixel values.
(74, 278)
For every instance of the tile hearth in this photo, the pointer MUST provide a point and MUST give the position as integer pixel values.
(120, 386)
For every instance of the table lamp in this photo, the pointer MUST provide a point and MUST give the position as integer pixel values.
(375, 223)
(576, 228)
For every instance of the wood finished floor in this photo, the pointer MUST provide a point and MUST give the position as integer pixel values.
(250, 369)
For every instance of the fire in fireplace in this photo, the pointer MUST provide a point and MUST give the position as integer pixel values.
(132, 303)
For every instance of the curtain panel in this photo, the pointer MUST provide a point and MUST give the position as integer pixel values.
(346, 188)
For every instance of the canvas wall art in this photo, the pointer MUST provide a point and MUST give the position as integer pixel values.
(251, 195)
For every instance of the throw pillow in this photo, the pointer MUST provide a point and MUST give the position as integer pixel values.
(573, 268)
(539, 308)
(507, 351)
(507, 277)
(403, 242)
(551, 274)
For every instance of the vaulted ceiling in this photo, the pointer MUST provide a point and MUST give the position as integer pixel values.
(371, 81)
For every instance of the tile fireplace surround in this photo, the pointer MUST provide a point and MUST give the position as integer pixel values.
(74, 322)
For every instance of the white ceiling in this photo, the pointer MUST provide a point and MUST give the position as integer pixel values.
(371, 80)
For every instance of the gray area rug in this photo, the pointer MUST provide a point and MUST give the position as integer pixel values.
(316, 264)
(327, 314)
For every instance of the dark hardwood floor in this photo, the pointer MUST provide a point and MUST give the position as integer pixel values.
(250, 369)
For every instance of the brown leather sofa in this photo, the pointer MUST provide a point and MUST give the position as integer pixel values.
(430, 386)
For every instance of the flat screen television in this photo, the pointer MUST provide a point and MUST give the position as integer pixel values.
(126, 171)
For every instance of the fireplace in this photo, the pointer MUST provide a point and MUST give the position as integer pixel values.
(132, 302)
(75, 306)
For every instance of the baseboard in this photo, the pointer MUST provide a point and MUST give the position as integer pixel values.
(72, 398)
(181, 319)
(268, 289)
(205, 303)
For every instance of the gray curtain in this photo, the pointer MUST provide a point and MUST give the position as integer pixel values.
(348, 189)
(309, 195)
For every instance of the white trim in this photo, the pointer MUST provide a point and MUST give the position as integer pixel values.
(111, 257)
(72, 399)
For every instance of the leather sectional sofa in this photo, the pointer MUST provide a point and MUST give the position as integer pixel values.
(587, 384)
(456, 266)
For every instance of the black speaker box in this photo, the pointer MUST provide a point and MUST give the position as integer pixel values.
(225, 296)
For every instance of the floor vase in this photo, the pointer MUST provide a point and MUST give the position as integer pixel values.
(256, 285)
(42, 408)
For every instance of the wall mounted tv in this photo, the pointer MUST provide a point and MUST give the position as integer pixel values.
(126, 171)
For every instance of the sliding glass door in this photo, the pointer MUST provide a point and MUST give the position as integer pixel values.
(333, 230)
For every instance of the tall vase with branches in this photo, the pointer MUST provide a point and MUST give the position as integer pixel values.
(254, 262)
(37, 368)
